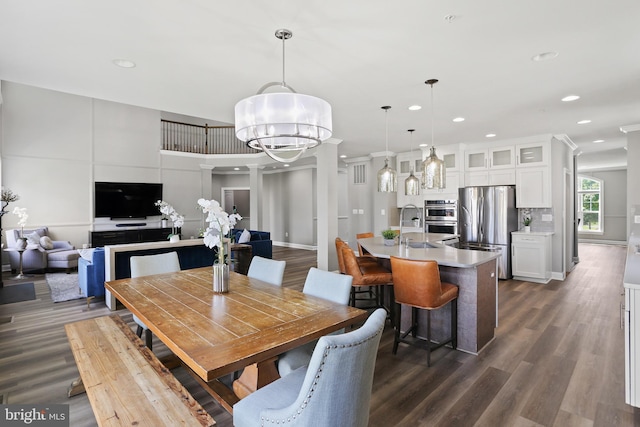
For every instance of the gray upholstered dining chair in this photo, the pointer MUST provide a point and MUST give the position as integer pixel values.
(147, 265)
(323, 284)
(334, 390)
(267, 270)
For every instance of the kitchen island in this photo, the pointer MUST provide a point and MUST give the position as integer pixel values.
(475, 274)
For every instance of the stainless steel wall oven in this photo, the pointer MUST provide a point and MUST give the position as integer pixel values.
(441, 216)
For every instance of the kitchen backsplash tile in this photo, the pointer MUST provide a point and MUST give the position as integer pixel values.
(537, 224)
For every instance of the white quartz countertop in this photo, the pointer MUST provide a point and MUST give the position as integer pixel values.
(443, 254)
(632, 267)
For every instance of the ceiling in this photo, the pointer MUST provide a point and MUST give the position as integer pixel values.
(198, 58)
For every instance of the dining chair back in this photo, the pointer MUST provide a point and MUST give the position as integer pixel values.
(267, 270)
(334, 390)
(146, 265)
(328, 285)
(322, 284)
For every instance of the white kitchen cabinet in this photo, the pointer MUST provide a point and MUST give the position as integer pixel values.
(531, 256)
(533, 187)
(490, 166)
(450, 192)
(476, 160)
(532, 154)
(501, 158)
(631, 314)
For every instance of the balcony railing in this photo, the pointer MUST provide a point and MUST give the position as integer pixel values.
(189, 138)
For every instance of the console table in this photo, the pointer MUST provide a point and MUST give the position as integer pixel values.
(120, 237)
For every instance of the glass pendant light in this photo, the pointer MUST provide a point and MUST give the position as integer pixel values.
(412, 184)
(433, 169)
(387, 177)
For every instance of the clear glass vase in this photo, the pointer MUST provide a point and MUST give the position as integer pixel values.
(220, 278)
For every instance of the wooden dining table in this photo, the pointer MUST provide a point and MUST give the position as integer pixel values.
(213, 335)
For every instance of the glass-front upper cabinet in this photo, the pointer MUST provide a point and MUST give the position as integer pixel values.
(501, 158)
(475, 160)
(533, 154)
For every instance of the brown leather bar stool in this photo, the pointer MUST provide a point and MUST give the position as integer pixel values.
(366, 273)
(367, 260)
(417, 284)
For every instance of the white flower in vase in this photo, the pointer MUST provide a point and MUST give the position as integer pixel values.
(22, 214)
(220, 225)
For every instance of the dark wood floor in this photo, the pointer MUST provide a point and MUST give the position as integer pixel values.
(557, 359)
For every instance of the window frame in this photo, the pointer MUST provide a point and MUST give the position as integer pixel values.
(580, 212)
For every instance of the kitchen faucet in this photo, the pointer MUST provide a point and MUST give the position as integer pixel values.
(402, 216)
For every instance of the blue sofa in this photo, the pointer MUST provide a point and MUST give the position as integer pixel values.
(91, 274)
(261, 243)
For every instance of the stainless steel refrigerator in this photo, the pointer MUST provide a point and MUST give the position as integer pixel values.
(486, 218)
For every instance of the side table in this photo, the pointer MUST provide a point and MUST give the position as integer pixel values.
(20, 275)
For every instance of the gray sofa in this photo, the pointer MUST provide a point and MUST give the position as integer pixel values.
(57, 254)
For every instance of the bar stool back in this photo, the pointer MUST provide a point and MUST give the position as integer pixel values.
(418, 285)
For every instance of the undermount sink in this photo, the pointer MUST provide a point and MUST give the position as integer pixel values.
(422, 245)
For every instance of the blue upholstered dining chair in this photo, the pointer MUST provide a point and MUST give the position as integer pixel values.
(334, 390)
(322, 284)
(147, 265)
(267, 270)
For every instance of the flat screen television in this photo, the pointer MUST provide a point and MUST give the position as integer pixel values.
(126, 199)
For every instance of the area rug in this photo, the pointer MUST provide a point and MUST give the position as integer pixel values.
(17, 293)
(64, 287)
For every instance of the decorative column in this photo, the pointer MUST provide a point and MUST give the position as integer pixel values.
(327, 203)
(255, 196)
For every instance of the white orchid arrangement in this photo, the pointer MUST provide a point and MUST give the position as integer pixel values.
(220, 225)
(168, 211)
(22, 214)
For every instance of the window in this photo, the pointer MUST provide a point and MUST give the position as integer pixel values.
(590, 205)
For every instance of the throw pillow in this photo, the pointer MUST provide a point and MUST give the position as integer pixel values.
(33, 238)
(46, 243)
(245, 236)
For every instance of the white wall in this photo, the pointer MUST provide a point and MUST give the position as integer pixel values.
(55, 145)
(633, 175)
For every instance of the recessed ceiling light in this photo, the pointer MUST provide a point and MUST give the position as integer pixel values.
(598, 141)
(458, 119)
(545, 56)
(490, 135)
(415, 107)
(343, 156)
(286, 165)
(124, 63)
(570, 98)
(236, 169)
(584, 122)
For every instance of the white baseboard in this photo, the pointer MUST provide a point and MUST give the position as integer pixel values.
(603, 242)
(557, 275)
(295, 246)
